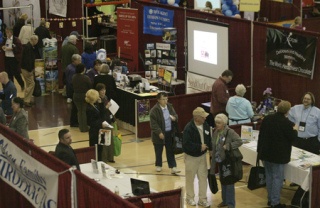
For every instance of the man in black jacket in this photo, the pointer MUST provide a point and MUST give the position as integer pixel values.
(274, 149)
(29, 55)
(196, 142)
(64, 151)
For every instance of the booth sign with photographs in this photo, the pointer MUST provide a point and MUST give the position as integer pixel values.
(160, 60)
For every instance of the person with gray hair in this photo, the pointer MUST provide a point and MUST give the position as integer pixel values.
(196, 143)
(276, 136)
(29, 54)
(239, 108)
(66, 56)
(223, 139)
(105, 78)
(70, 71)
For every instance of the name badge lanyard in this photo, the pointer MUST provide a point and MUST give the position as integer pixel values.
(302, 125)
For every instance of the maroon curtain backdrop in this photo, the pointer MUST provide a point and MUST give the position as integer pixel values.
(93, 194)
(279, 11)
(284, 86)
(170, 199)
(10, 196)
(239, 39)
(90, 193)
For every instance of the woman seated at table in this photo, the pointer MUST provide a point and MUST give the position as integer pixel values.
(239, 108)
(19, 120)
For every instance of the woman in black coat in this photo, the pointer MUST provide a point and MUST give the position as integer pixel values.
(95, 116)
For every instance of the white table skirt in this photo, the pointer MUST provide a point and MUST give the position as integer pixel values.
(296, 171)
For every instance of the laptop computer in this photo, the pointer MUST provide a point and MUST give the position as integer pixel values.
(139, 187)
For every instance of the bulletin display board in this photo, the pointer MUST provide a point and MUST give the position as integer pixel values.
(158, 58)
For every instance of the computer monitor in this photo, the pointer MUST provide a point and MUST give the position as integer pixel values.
(167, 77)
(139, 187)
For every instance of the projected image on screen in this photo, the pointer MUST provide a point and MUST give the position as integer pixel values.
(208, 47)
(205, 47)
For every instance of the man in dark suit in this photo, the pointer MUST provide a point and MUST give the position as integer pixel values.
(64, 151)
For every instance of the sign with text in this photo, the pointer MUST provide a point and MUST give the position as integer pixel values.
(127, 36)
(156, 19)
(291, 52)
(35, 181)
(249, 5)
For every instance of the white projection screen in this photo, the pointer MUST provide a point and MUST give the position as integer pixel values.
(208, 47)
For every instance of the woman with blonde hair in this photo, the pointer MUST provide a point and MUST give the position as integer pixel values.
(95, 116)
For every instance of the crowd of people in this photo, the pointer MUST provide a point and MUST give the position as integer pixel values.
(282, 127)
(89, 88)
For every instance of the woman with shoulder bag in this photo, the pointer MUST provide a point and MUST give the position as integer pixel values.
(223, 140)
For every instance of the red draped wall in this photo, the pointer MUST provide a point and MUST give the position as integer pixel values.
(284, 86)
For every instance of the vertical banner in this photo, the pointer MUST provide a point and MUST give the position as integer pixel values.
(35, 181)
(143, 110)
(127, 36)
(156, 19)
(291, 52)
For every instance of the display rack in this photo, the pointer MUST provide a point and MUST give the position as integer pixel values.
(88, 5)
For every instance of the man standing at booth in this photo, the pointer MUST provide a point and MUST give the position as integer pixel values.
(64, 151)
(220, 95)
(306, 118)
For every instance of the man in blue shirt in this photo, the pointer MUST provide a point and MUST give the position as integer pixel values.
(9, 92)
(306, 118)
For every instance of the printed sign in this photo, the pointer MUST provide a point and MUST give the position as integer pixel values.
(290, 52)
(156, 19)
(35, 181)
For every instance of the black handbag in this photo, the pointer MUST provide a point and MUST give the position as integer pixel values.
(257, 177)
(177, 141)
(230, 169)
(37, 88)
(212, 180)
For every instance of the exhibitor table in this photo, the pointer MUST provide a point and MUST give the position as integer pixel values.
(296, 171)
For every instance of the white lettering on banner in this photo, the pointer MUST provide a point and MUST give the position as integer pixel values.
(32, 179)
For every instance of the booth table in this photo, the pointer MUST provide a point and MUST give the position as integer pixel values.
(126, 101)
(296, 171)
(121, 180)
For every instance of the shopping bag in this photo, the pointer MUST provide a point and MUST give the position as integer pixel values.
(117, 142)
(230, 169)
(177, 143)
(117, 145)
(212, 180)
(257, 177)
(37, 88)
